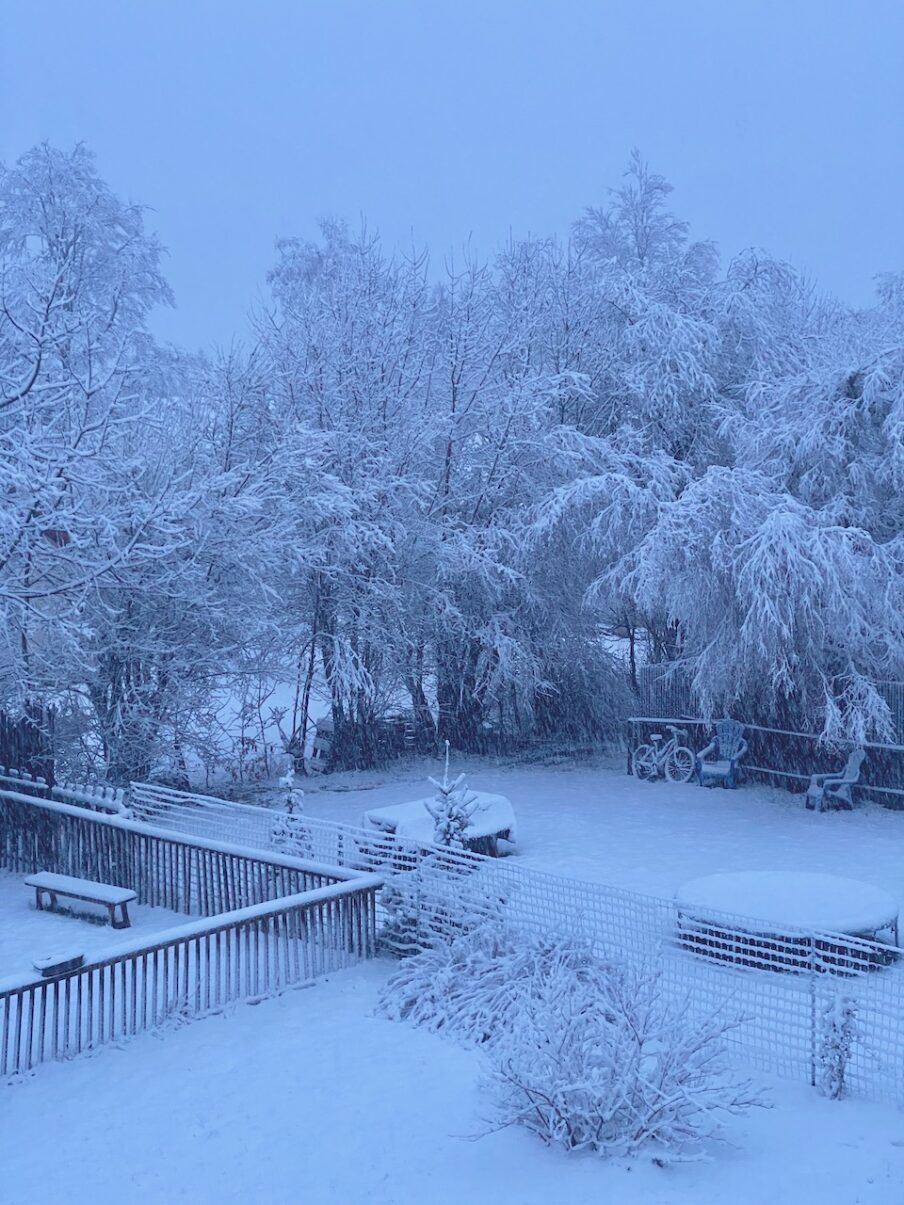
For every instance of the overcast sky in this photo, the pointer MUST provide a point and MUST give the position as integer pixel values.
(779, 124)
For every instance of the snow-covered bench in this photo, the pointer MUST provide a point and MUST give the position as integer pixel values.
(493, 820)
(112, 898)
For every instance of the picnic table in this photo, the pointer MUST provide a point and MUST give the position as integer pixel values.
(493, 819)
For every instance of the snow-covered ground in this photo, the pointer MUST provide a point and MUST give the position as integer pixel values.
(595, 822)
(26, 933)
(312, 1098)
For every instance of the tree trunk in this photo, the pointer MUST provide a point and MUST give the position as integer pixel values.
(460, 710)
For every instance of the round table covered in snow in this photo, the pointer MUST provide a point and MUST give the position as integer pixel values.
(783, 920)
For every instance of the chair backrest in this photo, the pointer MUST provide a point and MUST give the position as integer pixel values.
(854, 762)
(729, 734)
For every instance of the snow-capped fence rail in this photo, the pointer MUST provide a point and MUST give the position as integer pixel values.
(782, 987)
(186, 972)
(268, 921)
(93, 795)
(186, 874)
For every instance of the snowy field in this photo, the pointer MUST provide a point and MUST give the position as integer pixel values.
(598, 823)
(313, 1098)
(26, 933)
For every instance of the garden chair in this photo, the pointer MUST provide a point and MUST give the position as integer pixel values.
(834, 790)
(727, 748)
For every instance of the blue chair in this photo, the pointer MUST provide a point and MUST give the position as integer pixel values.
(834, 790)
(726, 749)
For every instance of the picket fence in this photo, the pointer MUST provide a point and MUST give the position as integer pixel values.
(267, 922)
(781, 992)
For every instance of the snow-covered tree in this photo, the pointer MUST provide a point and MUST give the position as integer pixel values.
(289, 834)
(452, 809)
(447, 491)
(78, 277)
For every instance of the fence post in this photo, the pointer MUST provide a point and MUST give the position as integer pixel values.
(813, 1016)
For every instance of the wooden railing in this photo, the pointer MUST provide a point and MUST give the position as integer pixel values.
(186, 972)
(268, 922)
(196, 876)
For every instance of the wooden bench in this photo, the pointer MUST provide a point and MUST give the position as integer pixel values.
(112, 898)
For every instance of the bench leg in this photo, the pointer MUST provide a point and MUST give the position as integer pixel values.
(123, 922)
(40, 892)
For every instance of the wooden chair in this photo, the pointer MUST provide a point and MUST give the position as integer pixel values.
(834, 790)
(726, 748)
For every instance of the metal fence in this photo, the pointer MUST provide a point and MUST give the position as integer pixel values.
(268, 922)
(782, 988)
(665, 689)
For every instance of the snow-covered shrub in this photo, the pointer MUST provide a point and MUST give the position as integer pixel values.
(615, 1069)
(289, 834)
(477, 986)
(441, 900)
(452, 809)
(838, 1032)
(588, 1054)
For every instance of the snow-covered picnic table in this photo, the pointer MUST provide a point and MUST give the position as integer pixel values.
(493, 817)
(779, 900)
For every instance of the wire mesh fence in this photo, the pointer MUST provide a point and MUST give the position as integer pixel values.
(665, 689)
(784, 989)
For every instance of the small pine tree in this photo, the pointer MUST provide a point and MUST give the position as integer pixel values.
(289, 833)
(451, 809)
(838, 1033)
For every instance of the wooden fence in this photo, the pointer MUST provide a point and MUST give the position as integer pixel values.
(185, 874)
(98, 797)
(26, 740)
(268, 923)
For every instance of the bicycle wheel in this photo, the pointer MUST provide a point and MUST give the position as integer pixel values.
(643, 762)
(679, 765)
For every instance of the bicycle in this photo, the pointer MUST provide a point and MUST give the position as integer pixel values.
(672, 760)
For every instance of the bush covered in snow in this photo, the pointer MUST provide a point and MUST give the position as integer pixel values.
(289, 834)
(443, 899)
(585, 1053)
(838, 1032)
(616, 1073)
(477, 986)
